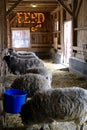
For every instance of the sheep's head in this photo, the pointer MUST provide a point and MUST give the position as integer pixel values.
(7, 59)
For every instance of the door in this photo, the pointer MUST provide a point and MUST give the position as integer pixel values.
(67, 41)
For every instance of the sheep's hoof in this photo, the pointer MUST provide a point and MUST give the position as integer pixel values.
(81, 128)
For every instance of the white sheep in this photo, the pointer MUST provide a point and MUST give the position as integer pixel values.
(60, 104)
(32, 83)
(42, 71)
(18, 54)
(11, 51)
(22, 54)
(21, 65)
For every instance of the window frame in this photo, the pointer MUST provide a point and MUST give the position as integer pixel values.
(16, 38)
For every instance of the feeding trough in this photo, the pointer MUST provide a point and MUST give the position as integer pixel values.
(13, 100)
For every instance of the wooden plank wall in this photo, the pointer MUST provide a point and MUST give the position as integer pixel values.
(40, 40)
(79, 44)
(80, 50)
(57, 32)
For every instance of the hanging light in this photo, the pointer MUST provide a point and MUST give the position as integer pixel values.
(33, 5)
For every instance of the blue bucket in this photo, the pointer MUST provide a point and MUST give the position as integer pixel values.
(13, 100)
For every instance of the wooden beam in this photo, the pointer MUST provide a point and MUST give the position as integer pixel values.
(78, 8)
(3, 25)
(74, 24)
(13, 18)
(40, 45)
(34, 1)
(65, 7)
(10, 10)
(81, 28)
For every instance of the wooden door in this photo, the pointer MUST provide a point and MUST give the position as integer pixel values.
(67, 40)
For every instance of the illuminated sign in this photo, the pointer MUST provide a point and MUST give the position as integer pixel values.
(31, 18)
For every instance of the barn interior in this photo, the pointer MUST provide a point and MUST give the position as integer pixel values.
(56, 31)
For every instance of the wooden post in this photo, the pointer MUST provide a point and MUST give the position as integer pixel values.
(8, 34)
(73, 25)
(62, 35)
(3, 29)
(3, 44)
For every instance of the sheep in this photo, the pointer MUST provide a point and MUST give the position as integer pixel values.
(22, 54)
(31, 83)
(56, 104)
(21, 65)
(26, 53)
(19, 54)
(42, 71)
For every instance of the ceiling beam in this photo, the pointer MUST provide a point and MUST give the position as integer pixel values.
(12, 19)
(10, 10)
(35, 2)
(65, 7)
(78, 7)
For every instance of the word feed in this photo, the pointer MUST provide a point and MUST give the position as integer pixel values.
(31, 18)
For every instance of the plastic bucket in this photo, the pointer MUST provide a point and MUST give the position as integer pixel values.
(13, 100)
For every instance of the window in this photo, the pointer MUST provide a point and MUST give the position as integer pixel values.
(56, 26)
(20, 37)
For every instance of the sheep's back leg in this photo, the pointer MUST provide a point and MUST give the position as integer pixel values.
(80, 127)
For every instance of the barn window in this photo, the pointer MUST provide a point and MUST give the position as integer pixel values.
(20, 37)
(56, 26)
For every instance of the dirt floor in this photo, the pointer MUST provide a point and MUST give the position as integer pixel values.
(62, 77)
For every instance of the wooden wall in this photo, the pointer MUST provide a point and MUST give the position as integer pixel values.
(80, 45)
(47, 36)
(57, 32)
(40, 39)
(78, 61)
(79, 28)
